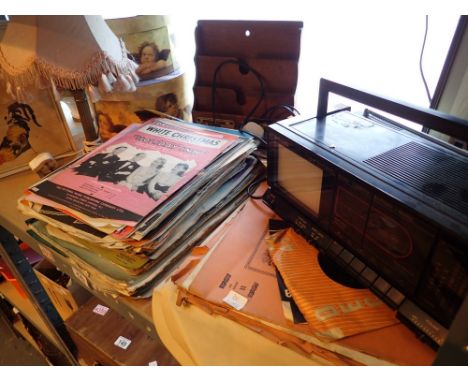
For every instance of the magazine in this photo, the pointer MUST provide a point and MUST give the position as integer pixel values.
(130, 175)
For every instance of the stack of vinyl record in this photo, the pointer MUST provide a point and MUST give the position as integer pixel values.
(126, 213)
(272, 283)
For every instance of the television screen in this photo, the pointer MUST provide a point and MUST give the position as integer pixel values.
(300, 178)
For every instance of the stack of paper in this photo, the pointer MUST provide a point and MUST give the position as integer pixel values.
(237, 279)
(124, 214)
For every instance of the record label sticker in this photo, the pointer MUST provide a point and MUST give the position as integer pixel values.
(100, 309)
(122, 342)
(235, 300)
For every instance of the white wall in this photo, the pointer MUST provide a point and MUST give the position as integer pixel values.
(373, 52)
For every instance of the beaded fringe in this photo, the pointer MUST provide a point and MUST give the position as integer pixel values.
(38, 70)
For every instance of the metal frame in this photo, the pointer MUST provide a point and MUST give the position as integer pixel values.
(432, 119)
(120, 304)
(11, 253)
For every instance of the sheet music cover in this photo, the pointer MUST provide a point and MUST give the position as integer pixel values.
(131, 174)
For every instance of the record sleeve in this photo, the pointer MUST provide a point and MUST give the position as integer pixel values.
(332, 310)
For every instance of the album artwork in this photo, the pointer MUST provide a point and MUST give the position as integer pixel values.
(148, 42)
(126, 178)
(167, 95)
(27, 128)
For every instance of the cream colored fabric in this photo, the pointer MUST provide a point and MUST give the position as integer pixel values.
(73, 51)
(195, 337)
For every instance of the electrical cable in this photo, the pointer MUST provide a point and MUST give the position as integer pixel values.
(250, 189)
(420, 61)
(262, 95)
(245, 69)
(268, 114)
(213, 86)
(268, 118)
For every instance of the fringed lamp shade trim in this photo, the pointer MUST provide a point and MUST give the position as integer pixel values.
(99, 63)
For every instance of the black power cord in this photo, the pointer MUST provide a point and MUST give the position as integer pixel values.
(244, 68)
(253, 186)
(267, 117)
(270, 112)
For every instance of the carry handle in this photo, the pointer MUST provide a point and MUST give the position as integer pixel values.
(432, 119)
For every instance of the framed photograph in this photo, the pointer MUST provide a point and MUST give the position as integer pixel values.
(148, 40)
(31, 127)
(167, 95)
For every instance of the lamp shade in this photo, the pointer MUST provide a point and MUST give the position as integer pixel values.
(71, 51)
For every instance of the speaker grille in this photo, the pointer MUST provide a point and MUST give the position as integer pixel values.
(432, 172)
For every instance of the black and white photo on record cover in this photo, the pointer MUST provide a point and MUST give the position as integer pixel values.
(143, 172)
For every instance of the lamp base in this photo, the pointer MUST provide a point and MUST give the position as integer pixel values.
(86, 117)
